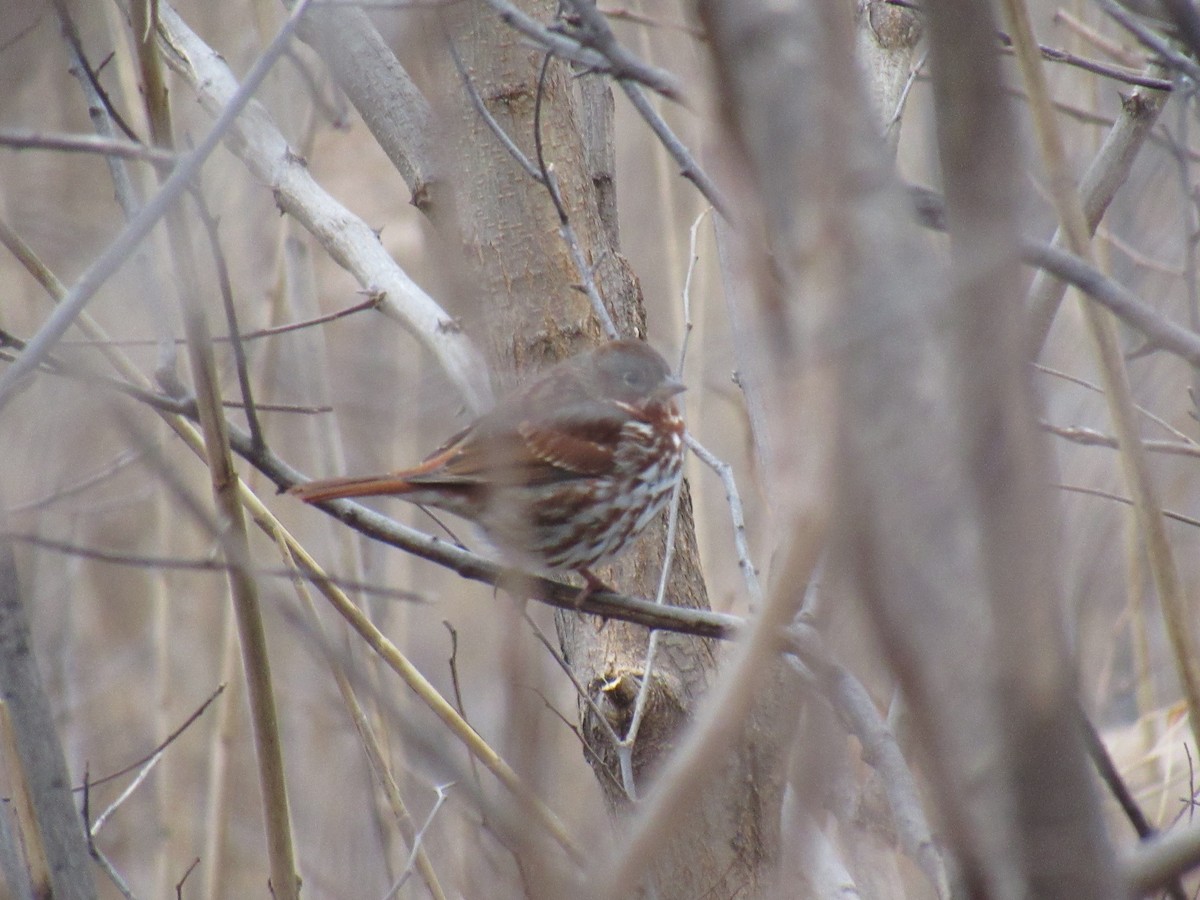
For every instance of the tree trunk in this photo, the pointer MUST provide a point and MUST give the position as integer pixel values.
(524, 273)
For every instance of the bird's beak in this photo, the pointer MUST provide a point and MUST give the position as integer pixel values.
(669, 388)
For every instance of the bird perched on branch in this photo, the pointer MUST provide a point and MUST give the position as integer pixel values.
(562, 475)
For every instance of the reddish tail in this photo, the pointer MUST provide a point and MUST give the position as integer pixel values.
(373, 485)
(361, 486)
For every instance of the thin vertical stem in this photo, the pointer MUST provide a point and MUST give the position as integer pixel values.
(1115, 378)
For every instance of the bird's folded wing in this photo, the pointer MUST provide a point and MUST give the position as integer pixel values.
(575, 441)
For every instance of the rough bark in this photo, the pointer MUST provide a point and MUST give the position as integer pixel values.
(523, 272)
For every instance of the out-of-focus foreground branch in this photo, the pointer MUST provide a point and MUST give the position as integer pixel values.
(943, 525)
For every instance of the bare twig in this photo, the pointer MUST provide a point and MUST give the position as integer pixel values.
(162, 745)
(86, 143)
(1107, 770)
(418, 840)
(906, 90)
(488, 119)
(1118, 299)
(1102, 329)
(588, 282)
(854, 706)
(257, 334)
(737, 517)
(1116, 73)
(590, 48)
(688, 167)
(1123, 73)
(638, 18)
(1106, 173)
(151, 291)
(625, 746)
(1095, 388)
(1090, 438)
(137, 228)
(119, 464)
(178, 564)
(143, 772)
(231, 322)
(1117, 498)
(346, 237)
(1101, 42)
(1181, 62)
(581, 692)
(718, 722)
(374, 748)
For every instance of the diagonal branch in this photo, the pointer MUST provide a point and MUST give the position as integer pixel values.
(591, 48)
(106, 265)
(256, 140)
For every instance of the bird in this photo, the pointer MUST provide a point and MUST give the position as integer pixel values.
(562, 475)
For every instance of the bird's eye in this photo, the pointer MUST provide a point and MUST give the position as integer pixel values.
(631, 378)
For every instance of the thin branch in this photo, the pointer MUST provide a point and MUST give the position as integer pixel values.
(1123, 74)
(151, 291)
(188, 871)
(123, 461)
(737, 518)
(178, 564)
(86, 143)
(377, 757)
(1183, 14)
(1101, 328)
(543, 174)
(1181, 62)
(688, 167)
(140, 225)
(1107, 171)
(106, 111)
(346, 237)
(606, 604)
(1116, 73)
(1088, 437)
(625, 746)
(1117, 498)
(548, 178)
(110, 870)
(592, 48)
(1136, 256)
(231, 324)
(162, 745)
(858, 713)
(599, 716)
(902, 101)
(144, 771)
(418, 840)
(488, 119)
(1147, 414)
(628, 15)
(1114, 296)
(686, 298)
(257, 334)
(1101, 42)
(718, 722)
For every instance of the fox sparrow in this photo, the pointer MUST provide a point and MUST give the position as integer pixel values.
(562, 475)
